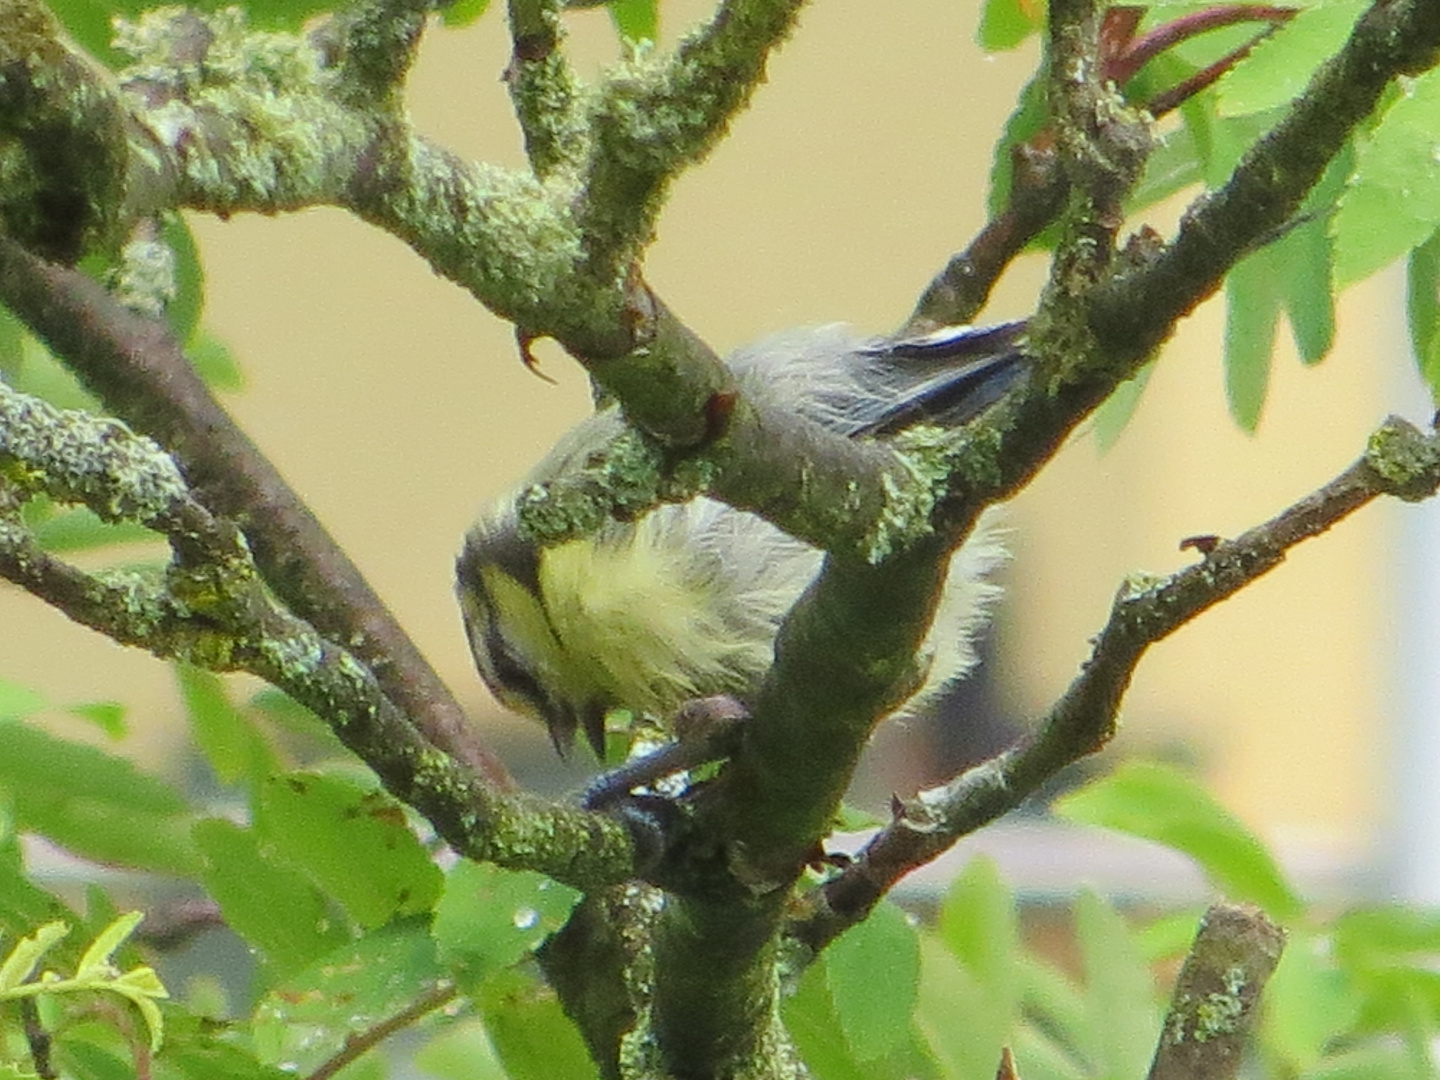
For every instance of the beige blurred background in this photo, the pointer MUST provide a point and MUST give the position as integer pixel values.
(397, 405)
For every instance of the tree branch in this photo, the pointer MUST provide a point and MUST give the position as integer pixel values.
(135, 366)
(545, 91)
(1134, 311)
(209, 608)
(1398, 461)
(1235, 952)
(655, 117)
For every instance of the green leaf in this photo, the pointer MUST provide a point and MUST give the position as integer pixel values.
(17, 702)
(809, 1016)
(532, 1036)
(183, 312)
(214, 362)
(873, 974)
(1309, 1002)
(1039, 1058)
(636, 20)
(1005, 24)
(98, 959)
(1160, 803)
(311, 1015)
(1393, 200)
(1056, 1005)
(77, 528)
(1169, 937)
(1252, 309)
(1384, 1061)
(1030, 115)
(463, 12)
(230, 742)
(1116, 412)
(1119, 990)
(1422, 306)
(961, 1022)
(93, 803)
(353, 840)
(460, 1052)
(488, 918)
(1280, 67)
(271, 905)
(977, 925)
(108, 716)
(20, 965)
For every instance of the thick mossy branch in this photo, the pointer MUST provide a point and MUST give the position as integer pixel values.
(209, 608)
(63, 152)
(378, 41)
(1399, 461)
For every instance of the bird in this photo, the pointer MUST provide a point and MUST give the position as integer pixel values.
(685, 601)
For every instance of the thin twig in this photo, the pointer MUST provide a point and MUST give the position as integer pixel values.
(361, 1042)
(1399, 461)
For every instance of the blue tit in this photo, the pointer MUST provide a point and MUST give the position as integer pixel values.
(685, 601)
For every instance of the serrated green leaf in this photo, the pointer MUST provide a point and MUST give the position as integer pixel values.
(353, 841)
(1119, 990)
(463, 12)
(270, 904)
(1392, 203)
(20, 965)
(1158, 802)
(1280, 67)
(1005, 24)
(93, 803)
(1422, 307)
(95, 961)
(230, 742)
(1252, 310)
(488, 918)
(311, 1015)
(873, 974)
(636, 20)
(532, 1036)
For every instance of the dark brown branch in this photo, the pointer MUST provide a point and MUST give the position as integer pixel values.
(1399, 461)
(1235, 952)
(135, 366)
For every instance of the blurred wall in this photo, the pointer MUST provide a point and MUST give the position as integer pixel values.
(397, 405)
